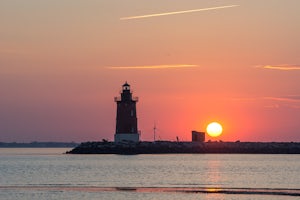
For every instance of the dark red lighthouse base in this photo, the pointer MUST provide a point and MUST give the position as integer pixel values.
(126, 124)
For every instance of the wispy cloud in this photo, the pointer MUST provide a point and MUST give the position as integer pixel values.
(176, 12)
(243, 99)
(274, 102)
(284, 67)
(154, 67)
(288, 98)
(284, 99)
(293, 97)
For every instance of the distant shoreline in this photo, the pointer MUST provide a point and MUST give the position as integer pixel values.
(38, 145)
(167, 147)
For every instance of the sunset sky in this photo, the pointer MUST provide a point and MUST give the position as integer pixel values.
(62, 62)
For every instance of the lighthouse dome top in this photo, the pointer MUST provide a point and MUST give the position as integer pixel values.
(126, 86)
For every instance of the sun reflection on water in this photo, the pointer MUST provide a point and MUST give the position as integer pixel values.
(213, 190)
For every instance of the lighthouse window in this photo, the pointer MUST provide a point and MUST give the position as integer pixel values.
(131, 112)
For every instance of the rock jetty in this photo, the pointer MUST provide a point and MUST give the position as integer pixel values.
(167, 147)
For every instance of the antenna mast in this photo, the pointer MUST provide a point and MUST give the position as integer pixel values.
(154, 132)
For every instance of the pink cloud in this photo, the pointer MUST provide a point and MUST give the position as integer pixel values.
(284, 67)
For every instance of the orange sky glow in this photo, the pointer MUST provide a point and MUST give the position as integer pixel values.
(62, 63)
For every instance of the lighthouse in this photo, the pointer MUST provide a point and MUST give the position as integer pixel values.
(126, 122)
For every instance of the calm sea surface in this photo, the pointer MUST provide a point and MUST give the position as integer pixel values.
(51, 174)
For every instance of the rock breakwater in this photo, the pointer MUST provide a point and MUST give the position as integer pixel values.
(167, 147)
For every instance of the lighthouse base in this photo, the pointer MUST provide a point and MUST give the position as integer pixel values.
(129, 137)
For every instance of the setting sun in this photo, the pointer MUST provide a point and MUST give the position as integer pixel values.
(214, 129)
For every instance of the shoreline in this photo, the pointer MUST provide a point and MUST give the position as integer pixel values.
(38, 145)
(168, 147)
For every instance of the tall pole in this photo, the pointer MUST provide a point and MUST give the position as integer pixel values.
(154, 131)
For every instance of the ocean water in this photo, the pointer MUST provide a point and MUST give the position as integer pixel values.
(51, 174)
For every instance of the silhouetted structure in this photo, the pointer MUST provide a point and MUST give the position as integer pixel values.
(198, 136)
(126, 124)
(160, 147)
(37, 144)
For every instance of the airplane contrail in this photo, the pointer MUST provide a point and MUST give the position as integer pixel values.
(282, 67)
(154, 67)
(177, 12)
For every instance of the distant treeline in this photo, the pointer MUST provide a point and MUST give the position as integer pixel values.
(37, 144)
